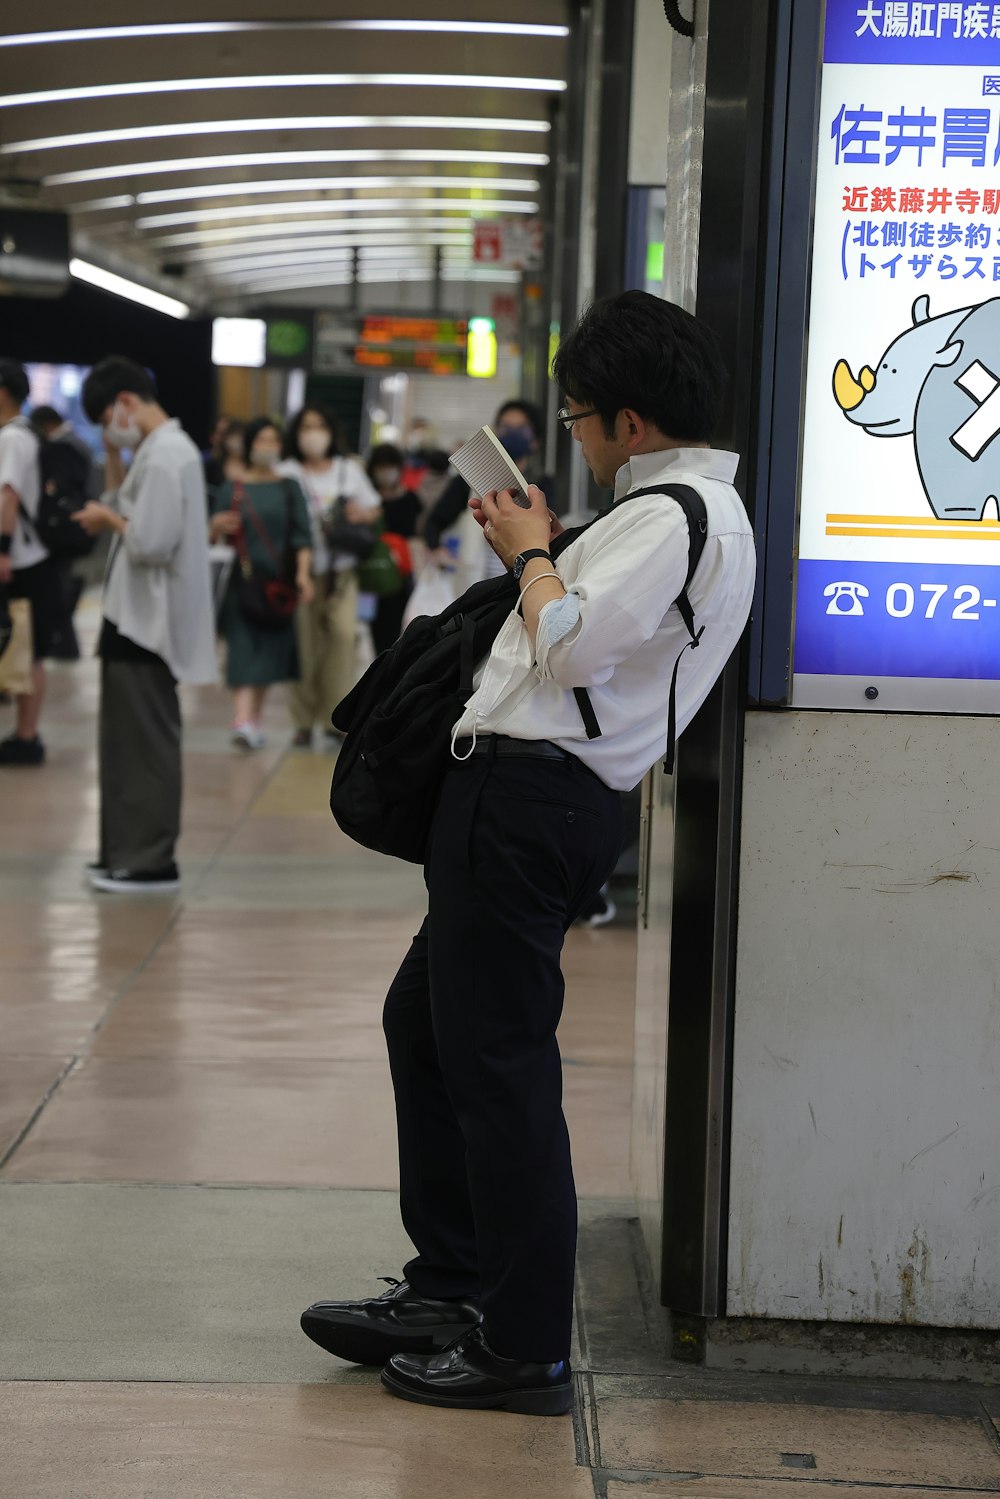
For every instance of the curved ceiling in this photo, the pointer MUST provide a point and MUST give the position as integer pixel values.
(237, 157)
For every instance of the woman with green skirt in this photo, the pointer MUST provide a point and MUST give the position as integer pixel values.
(267, 518)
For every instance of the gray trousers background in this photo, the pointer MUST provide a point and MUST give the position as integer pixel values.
(140, 765)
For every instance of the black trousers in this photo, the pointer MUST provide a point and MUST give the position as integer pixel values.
(486, 1180)
(140, 765)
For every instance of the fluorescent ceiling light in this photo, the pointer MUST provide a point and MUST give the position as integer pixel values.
(297, 122)
(478, 206)
(288, 158)
(330, 242)
(217, 28)
(383, 274)
(221, 260)
(108, 281)
(283, 80)
(304, 228)
(325, 184)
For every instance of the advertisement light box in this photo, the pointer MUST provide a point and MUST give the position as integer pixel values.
(898, 572)
(239, 342)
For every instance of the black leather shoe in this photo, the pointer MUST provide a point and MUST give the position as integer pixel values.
(470, 1376)
(368, 1332)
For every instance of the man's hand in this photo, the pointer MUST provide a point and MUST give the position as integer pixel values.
(509, 529)
(6, 569)
(95, 518)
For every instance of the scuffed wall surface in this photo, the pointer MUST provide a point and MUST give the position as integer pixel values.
(866, 1110)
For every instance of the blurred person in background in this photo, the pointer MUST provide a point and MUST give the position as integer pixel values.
(339, 493)
(265, 515)
(520, 427)
(26, 569)
(157, 627)
(437, 477)
(51, 427)
(401, 513)
(224, 458)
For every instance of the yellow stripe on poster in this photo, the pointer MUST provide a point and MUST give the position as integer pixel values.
(904, 520)
(913, 535)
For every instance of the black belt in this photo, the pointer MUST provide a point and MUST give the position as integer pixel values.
(499, 744)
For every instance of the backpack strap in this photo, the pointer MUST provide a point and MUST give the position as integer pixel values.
(696, 515)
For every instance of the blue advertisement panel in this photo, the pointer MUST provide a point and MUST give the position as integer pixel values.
(897, 579)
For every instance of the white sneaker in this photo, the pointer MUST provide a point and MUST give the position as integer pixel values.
(142, 882)
(247, 736)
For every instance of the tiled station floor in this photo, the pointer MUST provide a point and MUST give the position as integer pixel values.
(196, 1140)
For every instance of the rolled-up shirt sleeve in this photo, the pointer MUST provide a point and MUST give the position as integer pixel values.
(623, 594)
(155, 518)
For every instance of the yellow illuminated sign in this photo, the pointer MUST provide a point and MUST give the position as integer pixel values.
(481, 360)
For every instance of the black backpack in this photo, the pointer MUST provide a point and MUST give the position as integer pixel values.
(399, 718)
(65, 475)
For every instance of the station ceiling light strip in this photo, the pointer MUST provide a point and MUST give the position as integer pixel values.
(224, 28)
(255, 210)
(282, 80)
(484, 185)
(477, 207)
(296, 255)
(288, 158)
(94, 275)
(295, 122)
(305, 282)
(305, 229)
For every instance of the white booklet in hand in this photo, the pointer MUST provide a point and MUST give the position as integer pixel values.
(486, 466)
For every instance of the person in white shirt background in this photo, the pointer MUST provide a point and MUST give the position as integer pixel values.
(26, 569)
(527, 829)
(334, 484)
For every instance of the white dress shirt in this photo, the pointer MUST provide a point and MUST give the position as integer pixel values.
(626, 573)
(157, 588)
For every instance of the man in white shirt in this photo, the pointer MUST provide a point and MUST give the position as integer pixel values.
(26, 569)
(158, 627)
(527, 829)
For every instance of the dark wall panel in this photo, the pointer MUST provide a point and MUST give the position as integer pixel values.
(86, 324)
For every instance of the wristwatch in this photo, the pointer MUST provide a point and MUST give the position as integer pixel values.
(523, 558)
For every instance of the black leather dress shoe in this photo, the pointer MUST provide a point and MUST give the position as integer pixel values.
(368, 1332)
(470, 1376)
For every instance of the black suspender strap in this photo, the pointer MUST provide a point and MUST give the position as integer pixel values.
(696, 515)
(587, 713)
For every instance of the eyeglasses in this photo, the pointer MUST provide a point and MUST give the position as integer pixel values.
(568, 417)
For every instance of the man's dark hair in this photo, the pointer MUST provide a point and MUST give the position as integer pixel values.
(536, 420)
(252, 431)
(111, 378)
(14, 380)
(46, 416)
(337, 445)
(639, 352)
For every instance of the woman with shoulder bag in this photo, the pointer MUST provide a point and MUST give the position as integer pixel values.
(343, 507)
(266, 518)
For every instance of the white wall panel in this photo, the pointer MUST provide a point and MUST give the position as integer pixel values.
(866, 1120)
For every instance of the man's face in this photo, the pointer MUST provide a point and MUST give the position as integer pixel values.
(602, 454)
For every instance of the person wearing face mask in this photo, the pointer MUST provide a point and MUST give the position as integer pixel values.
(271, 515)
(335, 485)
(519, 426)
(401, 512)
(157, 625)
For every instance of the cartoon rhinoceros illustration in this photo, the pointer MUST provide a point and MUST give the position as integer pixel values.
(940, 380)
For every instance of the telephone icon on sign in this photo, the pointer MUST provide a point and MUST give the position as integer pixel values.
(845, 599)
